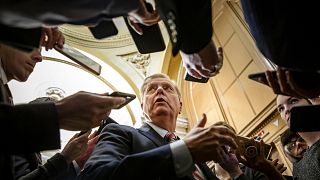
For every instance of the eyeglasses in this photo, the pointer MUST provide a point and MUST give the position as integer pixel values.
(292, 145)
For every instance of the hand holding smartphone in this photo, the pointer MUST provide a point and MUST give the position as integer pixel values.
(127, 96)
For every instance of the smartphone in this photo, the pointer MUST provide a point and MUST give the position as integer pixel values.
(151, 40)
(80, 58)
(261, 77)
(105, 122)
(104, 29)
(304, 118)
(250, 149)
(188, 77)
(127, 96)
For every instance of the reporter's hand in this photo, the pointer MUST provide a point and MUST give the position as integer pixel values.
(230, 164)
(75, 147)
(206, 63)
(51, 36)
(286, 85)
(84, 110)
(205, 144)
(82, 159)
(260, 163)
(142, 16)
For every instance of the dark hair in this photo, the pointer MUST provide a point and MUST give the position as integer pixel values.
(286, 137)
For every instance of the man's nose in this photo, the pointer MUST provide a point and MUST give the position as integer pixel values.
(36, 55)
(159, 89)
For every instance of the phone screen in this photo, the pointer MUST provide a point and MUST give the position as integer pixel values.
(127, 96)
(304, 118)
(80, 58)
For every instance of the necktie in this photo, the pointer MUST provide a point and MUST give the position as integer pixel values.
(171, 137)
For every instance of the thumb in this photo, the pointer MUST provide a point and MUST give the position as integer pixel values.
(202, 121)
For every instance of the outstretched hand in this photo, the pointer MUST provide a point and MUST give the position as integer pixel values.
(206, 63)
(142, 16)
(285, 84)
(205, 144)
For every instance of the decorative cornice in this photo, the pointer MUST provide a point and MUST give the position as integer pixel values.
(87, 40)
(138, 61)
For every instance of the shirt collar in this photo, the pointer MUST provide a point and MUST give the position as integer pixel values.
(3, 75)
(159, 130)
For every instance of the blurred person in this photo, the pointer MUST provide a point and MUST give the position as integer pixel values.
(293, 145)
(81, 111)
(258, 168)
(309, 166)
(124, 152)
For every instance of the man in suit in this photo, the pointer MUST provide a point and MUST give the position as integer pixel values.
(124, 152)
(36, 126)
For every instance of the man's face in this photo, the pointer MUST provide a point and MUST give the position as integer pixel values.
(19, 65)
(160, 98)
(296, 147)
(285, 103)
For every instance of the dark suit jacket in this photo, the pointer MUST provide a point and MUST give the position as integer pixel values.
(33, 13)
(285, 32)
(127, 153)
(189, 22)
(35, 128)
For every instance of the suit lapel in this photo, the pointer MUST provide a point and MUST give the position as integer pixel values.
(151, 134)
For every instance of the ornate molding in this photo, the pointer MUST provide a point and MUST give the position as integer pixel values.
(55, 92)
(85, 39)
(139, 61)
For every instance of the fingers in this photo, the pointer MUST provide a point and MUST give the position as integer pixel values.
(202, 121)
(272, 83)
(94, 134)
(135, 26)
(51, 37)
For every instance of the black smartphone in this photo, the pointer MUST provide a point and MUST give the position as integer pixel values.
(80, 58)
(261, 77)
(151, 40)
(127, 96)
(104, 29)
(304, 118)
(188, 77)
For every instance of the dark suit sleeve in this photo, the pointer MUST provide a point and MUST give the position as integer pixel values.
(55, 168)
(33, 13)
(32, 127)
(113, 157)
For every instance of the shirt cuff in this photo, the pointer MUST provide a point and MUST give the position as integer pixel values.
(76, 167)
(182, 159)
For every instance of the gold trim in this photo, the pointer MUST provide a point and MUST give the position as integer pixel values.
(99, 77)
